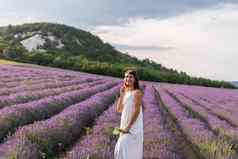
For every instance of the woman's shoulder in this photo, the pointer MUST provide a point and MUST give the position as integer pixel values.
(139, 92)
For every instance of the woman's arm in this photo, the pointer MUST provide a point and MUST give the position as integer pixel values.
(137, 105)
(119, 105)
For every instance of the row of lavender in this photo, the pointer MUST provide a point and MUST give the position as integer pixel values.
(159, 141)
(16, 75)
(206, 118)
(222, 103)
(16, 72)
(21, 114)
(46, 137)
(5, 69)
(157, 136)
(25, 104)
(37, 89)
(42, 84)
(201, 126)
(38, 95)
(151, 140)
(24, 94)
(215, 114)
(45, 71)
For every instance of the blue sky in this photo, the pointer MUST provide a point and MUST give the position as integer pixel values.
(196, 36)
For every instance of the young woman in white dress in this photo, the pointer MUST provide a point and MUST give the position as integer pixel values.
(130, 142)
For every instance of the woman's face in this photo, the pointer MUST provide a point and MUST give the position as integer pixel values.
(129, 80)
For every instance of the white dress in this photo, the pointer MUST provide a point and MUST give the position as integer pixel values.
(130, 146)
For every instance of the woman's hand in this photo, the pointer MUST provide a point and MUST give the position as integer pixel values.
(122, 90)
(125, 131)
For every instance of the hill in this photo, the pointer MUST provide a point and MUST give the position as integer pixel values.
(67, 47)
(235, 83)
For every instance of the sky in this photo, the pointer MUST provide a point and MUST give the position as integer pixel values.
(199, 37)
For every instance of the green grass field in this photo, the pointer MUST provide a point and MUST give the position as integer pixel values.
(7, 62)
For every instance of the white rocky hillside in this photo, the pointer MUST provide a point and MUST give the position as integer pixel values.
(36, 40)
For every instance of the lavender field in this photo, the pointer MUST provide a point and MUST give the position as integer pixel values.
(49, 113)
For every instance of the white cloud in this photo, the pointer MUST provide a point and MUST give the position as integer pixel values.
(205, 40)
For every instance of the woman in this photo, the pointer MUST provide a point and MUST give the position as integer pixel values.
(130, 141)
